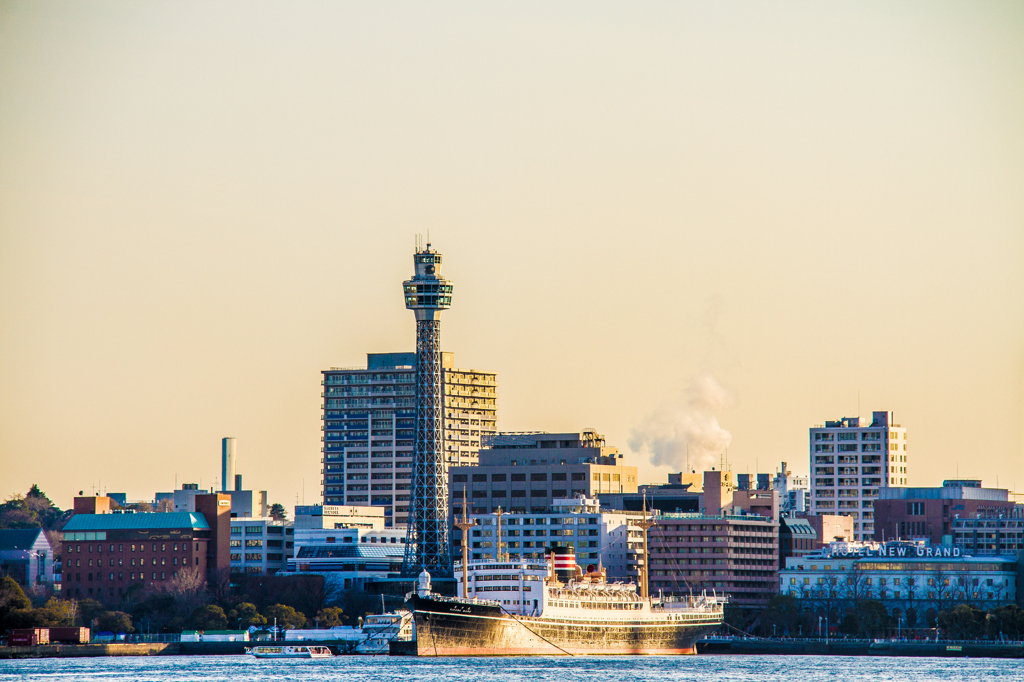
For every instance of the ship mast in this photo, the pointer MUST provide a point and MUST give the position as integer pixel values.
(498, 514)
(465, 524)
(645, 572)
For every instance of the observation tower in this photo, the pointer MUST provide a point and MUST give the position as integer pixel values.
(427, 544)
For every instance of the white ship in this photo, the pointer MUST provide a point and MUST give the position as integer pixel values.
(289, 651)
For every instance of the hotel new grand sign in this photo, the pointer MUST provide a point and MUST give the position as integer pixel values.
(894, 551)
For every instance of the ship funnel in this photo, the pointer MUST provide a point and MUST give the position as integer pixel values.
(565, 563)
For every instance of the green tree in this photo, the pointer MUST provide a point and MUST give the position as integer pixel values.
(245, 615)
(874, 619)
(277, 512)
(850, 625)
(12, 599)
(114, 621)
(33, 510)
(287, 617)
(56, 613)
(1009, 621)
(88, 610)
(329, 617)
(963, 621)
(209, 617)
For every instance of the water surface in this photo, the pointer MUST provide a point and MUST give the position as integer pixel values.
(706, 668)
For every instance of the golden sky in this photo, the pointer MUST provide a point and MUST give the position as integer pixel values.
(810, 208)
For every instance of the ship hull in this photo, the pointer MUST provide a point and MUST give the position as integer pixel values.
(454, 628)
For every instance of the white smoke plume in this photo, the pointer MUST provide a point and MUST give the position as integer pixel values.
(692, 424)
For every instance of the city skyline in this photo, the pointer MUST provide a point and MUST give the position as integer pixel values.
(674, 224)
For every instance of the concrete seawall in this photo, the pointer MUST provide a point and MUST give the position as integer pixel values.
(861, 648)
(78, 650)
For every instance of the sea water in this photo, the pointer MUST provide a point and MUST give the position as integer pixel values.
(706, 668)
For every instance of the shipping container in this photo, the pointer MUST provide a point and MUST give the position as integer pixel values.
(70, 635)
(29, 636)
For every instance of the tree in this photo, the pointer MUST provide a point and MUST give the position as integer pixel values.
(245, 616)
(33, 510)
(287, 617)
(209, 617)
(963, 621)
(329, 617)
(114, 621)
(58, 612)
(165, 506)
(89, 609)
(850, 625)
(12, 597)
(874, 619)
(188, 589)
(1009, 621)
(277, 512)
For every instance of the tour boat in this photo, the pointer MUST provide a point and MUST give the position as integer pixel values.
(289, 651)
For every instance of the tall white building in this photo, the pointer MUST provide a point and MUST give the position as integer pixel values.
(369, 428)
(851, 459)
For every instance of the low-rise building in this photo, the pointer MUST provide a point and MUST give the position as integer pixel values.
(736, 554)
(991, 534)
(348, 557)
(525, 472)
(260, 546)
(915, 581)
(27, 556)
(929, 513)
(339, 516)
(797, 537)
(605, 537)
(105, 555)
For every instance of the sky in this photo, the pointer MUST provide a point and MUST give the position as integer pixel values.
(685, 222)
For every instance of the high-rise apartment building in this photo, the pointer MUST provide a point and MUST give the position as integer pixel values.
(369, 428)
(851, 460)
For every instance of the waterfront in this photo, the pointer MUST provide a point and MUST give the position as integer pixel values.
(537, 669)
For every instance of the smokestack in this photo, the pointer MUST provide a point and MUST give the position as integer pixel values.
(238, 481)
(565, 563)
(227, 462)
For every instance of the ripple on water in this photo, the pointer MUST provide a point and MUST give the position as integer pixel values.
(532, 669)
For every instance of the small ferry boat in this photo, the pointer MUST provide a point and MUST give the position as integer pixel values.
(289, 651)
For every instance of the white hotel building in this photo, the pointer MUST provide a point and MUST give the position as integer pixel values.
(850, 460)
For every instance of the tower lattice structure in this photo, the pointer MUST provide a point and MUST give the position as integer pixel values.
(427, 544)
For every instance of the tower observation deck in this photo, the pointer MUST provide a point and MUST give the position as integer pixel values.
(427, 545)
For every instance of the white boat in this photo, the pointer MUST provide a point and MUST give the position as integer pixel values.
(289, 651)
(380, 629)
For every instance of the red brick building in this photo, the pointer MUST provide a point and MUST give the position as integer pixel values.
(929, 513)
(105, 555)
